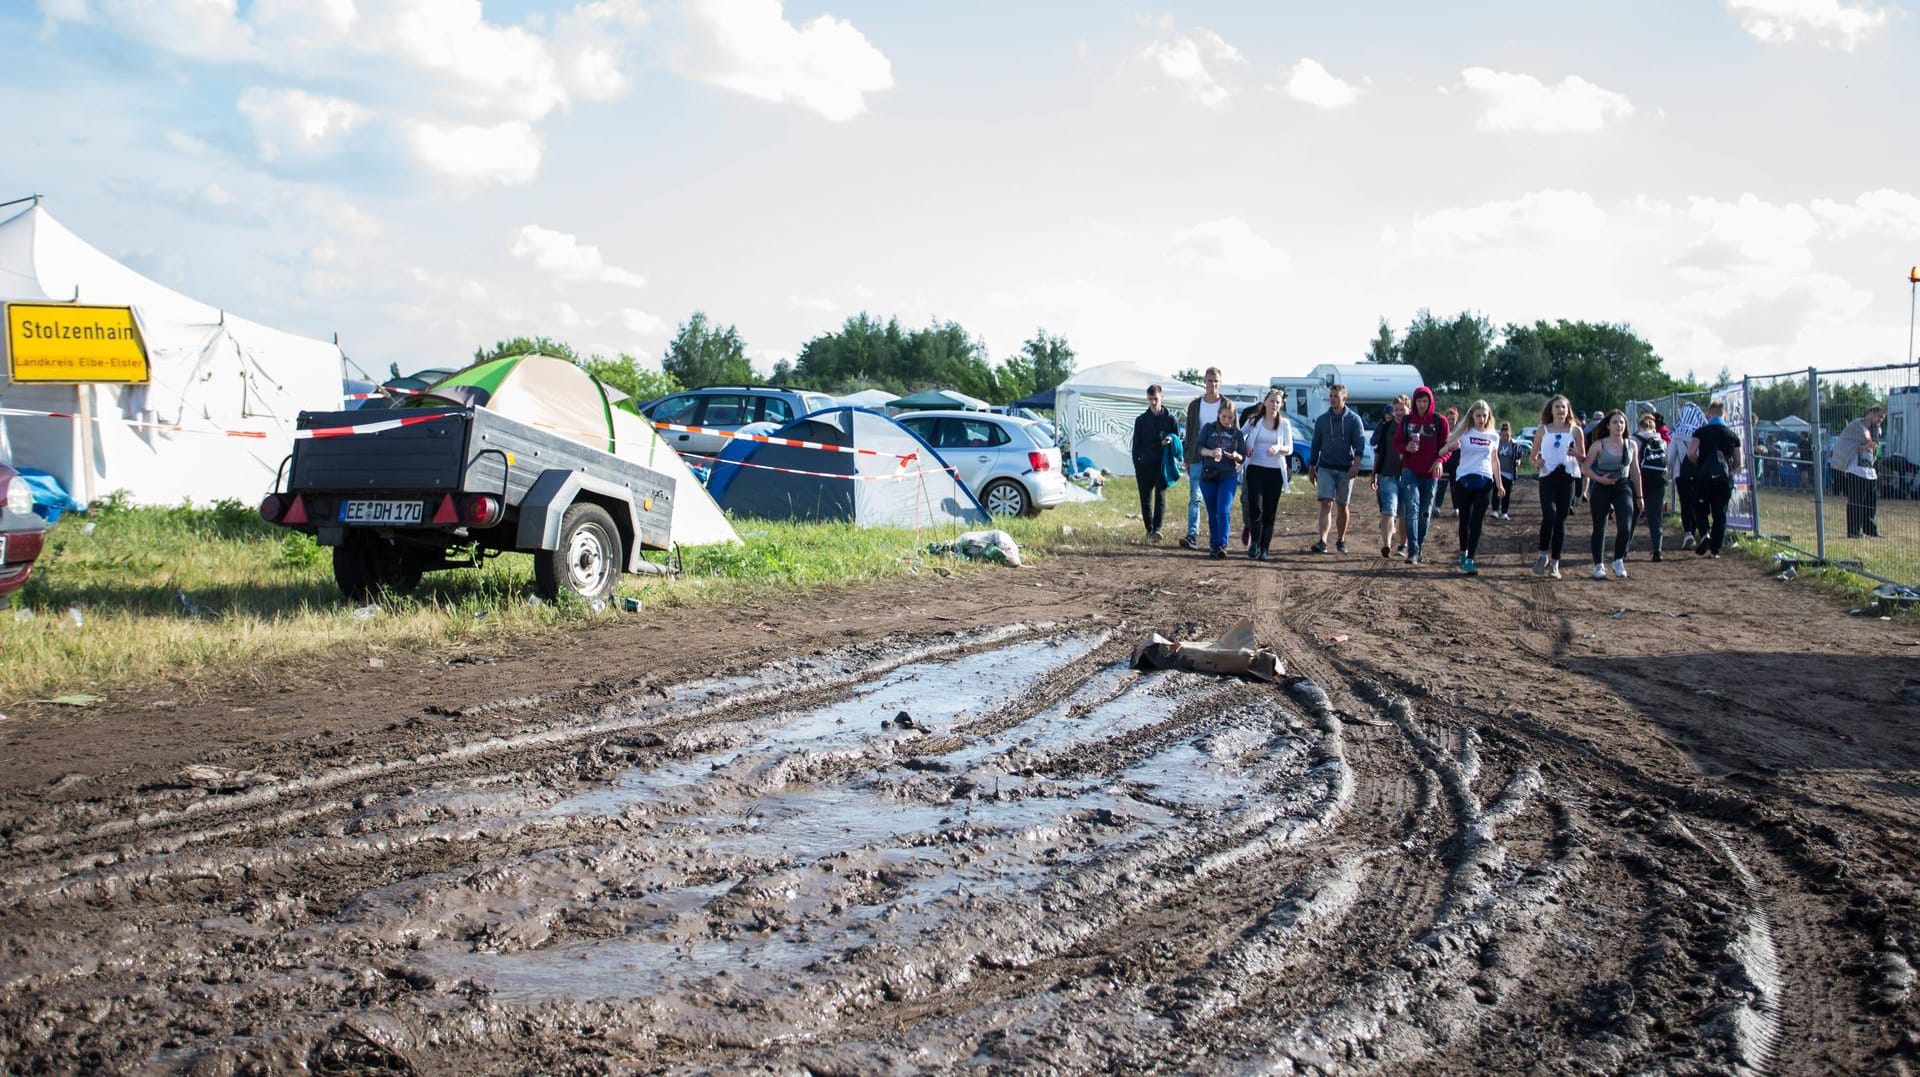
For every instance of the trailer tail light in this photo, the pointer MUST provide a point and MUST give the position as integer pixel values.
(484, 510)
(273, 507)
(296, 511)
(1038, 461)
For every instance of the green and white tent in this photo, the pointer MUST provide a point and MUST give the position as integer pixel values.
(555, 395)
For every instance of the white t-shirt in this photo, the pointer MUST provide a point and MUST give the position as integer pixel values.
(1259, 438)
(1479, 453)
(1208, 413)
(1848, 454)
(1556, 450)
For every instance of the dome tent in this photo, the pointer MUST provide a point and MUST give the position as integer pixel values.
(212, 373)
(555, 395)
(896, 481)
(1096, 409)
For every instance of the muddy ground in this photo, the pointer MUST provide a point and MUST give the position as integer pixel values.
(1664, 824)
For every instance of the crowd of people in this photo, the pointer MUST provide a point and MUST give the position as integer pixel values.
(1619, 467)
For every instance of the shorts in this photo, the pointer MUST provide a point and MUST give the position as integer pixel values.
(1335, 486)
(1389, 496)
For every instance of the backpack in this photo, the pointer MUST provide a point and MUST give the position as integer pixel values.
(1653, 451)
(1713, 462)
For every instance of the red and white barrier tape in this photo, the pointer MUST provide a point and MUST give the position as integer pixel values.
(175, 428)
(370, 428)
(768, 439)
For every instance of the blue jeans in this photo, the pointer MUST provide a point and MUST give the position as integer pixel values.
(1195, 498)
(1219, 495)
(1416, 507)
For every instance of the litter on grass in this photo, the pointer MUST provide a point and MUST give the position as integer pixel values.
(996, 546)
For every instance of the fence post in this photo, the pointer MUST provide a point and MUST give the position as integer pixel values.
(1819, 465)
(1754, 463)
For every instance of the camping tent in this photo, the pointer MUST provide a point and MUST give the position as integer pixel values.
(555, 395)
(895, 479)
(866, 398)
(1040, 401)
(232, 387)
(1096, 408)
(1795, 423)
(939, 400)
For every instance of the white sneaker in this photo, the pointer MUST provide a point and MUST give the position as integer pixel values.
(1687, 543)
(1619, 569)
(1540, 565)
(1553, 570)
(1599, 572)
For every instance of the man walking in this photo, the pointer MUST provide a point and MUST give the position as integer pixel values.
(1153, 432)
(1339, 438)
(1716, 454)
(1853, 459)
(1386, 472)
(1202, 410)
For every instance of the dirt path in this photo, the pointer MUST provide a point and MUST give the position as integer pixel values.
(1659, 824)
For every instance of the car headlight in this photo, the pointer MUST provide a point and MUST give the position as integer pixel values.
(19, 497)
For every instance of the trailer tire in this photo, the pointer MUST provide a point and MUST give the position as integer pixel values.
(367, 567)
(589, 559)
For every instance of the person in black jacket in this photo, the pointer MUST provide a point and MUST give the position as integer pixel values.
(1715, 455)
(1653, 475)
(1151, 432)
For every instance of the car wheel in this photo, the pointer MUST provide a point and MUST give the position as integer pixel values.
(589, 559)
(1004, 497)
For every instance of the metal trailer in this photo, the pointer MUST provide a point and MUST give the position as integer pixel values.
(448, 487)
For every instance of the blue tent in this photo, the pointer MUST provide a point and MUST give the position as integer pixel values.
(902, 482)
(1040, 401)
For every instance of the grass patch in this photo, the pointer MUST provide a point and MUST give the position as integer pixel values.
(127, 595)
(1789, 515)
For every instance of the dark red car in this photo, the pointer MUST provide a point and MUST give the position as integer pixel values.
(21, 532)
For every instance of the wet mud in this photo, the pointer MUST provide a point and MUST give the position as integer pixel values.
(993, 846)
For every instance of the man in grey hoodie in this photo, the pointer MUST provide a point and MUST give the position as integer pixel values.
(1338, 442)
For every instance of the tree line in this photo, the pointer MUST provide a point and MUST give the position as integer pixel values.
(864, 353)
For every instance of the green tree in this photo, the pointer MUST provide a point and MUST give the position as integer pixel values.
(1191, 375)
(627, 375)
(702, 353)
(1383, 349)
(1052, 359)
(1450, 355)
(526, 346)
(1520, 364)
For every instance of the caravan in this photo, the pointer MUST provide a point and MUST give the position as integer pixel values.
(1371, 387)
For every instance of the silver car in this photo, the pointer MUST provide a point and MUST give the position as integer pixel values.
(1010, 464)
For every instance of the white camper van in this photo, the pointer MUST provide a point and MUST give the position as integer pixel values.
(1371, 387)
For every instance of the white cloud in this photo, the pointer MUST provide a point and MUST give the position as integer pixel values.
(639, 321)
(339, 216)
(1747, 234)
(186, 143)
(1195, 62)
(818, 303)
(1890, 213)
(1312, 83)
(1517, 102)
(197, 29)
(1228, 247)
(1829, 22)
(505, 153)
(1533, 221)
(294, 120)
(749, 47)
(566, 258)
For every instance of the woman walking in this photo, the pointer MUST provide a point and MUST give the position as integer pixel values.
(1509, 471)
(1652, 450)
(1222, 448)
(1614, 467)
(1269, 442)
(1558, 446)
(1476, 477)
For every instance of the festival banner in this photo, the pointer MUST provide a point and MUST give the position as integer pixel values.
(1740, 516)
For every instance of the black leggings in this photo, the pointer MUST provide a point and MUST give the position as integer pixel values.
(1615, 501)
(1503, 502)
(1153, 499)
(1264, 485)
(1686, 491)
(1655, 490)
(1556, 499)
(1718, 494)
(1473, 513)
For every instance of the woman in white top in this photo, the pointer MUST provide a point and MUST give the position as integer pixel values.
(1476, 480)
(1614, 464)
(1269, 444)
(1558, 446)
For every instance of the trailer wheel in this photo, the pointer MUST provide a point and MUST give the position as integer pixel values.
(366, 566)
(589, 560)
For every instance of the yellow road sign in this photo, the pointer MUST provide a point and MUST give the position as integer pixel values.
(66, 344)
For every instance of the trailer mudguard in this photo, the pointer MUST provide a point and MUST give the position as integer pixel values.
(555, 491)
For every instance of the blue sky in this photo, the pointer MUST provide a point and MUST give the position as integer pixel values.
(1251, 185)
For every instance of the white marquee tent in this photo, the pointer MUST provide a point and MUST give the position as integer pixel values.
(219, 377)
(1096, 408)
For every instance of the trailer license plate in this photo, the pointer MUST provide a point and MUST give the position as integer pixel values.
(381, 512)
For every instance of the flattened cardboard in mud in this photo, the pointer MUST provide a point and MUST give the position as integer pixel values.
(1233, 655)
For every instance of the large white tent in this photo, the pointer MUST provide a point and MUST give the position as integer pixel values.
(1097, 406)
(233, 386)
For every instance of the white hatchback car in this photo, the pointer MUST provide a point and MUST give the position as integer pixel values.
(1009, 463)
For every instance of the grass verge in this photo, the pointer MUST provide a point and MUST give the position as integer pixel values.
(124, 596)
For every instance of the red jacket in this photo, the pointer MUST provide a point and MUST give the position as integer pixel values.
(1433, 431)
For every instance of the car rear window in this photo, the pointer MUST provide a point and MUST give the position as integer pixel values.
(777, 409)
(728, 409)
(1038, 435)
(676, 409)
